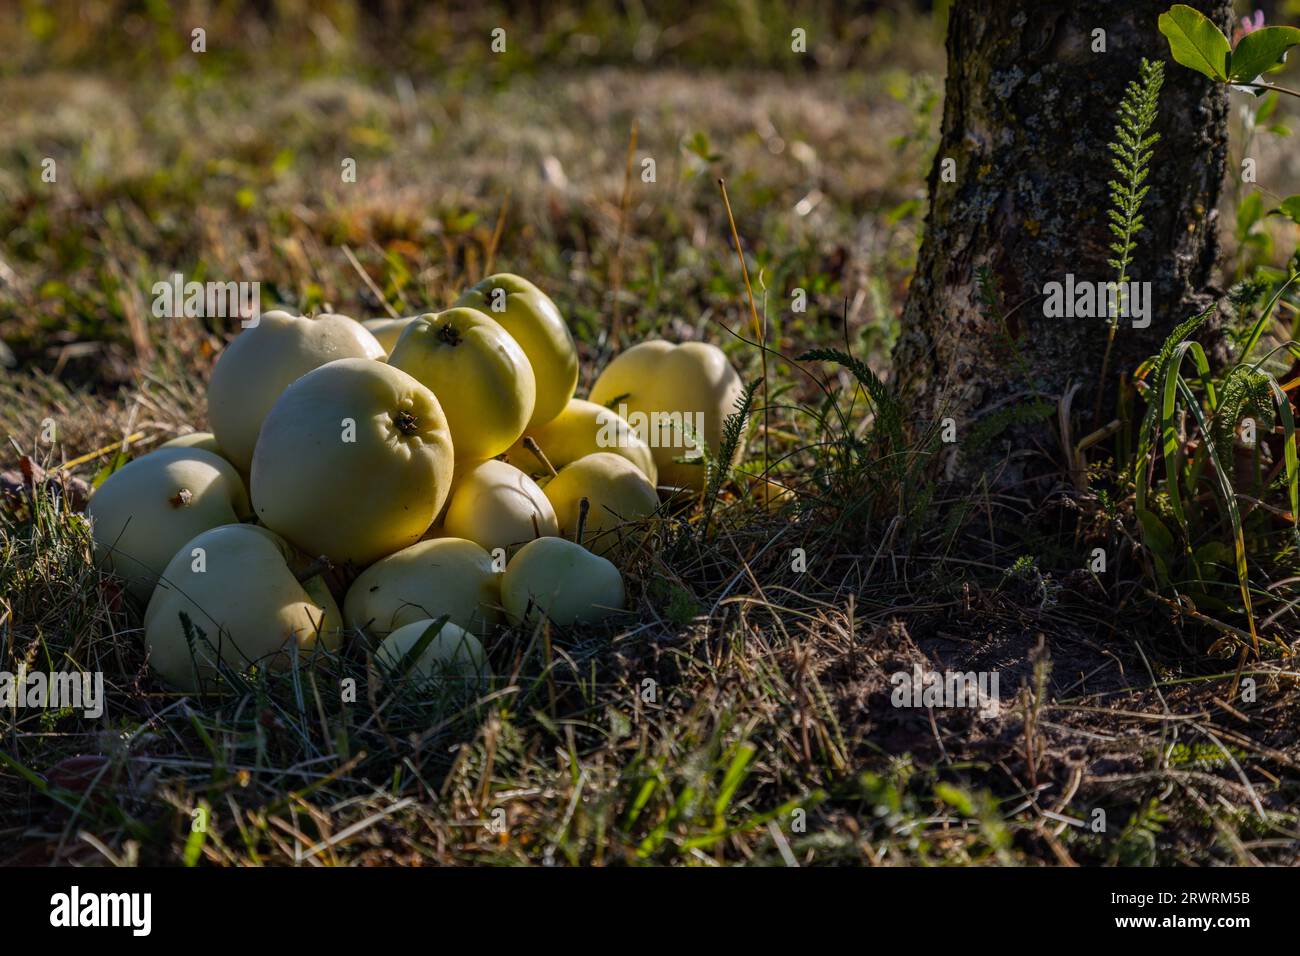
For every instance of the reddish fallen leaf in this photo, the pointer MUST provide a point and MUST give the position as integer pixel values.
(32, 472)
(18, 484)
(79, 773)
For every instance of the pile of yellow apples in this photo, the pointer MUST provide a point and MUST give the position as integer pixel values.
(441, 463)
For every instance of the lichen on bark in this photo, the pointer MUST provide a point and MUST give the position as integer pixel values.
(1029, 110)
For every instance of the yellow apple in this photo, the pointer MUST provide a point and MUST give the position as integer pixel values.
(583, 428)
(387, 331)
(671, 395)
(453, 656)
(618, 493)
(263, 360)
(479, 373)
(149, 507)
(562, 580)
(237, 585)
(354, 462)
(440, 576)
(771, 493)
(528, 314)
(496, 505)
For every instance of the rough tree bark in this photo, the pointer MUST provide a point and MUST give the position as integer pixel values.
(1029, 108)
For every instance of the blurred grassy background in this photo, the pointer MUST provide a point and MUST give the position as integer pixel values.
(226, 165)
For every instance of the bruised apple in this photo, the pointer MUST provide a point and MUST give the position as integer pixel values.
(148, 508)
(440, 576)
(676, 397)
(452, 656)
(263, 360)
(238, 587)
(479, 373)
(528, 314)
(353, 462)
(617, 491)
(583, 428)
(561, 580)
(496, 505)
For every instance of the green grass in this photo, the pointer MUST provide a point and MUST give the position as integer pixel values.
(741, 715)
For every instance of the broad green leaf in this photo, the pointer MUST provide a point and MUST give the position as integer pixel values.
(1171, 442)
(1195, 42)
(1157, 366)
(1215, 552)
(1159, 542)
(1289, 455)
(1260, 51)
(1248, 213)
(1289, 207)
(1229, 500)
(1266, 316)
(1267, 107)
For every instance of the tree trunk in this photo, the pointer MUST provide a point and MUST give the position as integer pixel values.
(1029, 110)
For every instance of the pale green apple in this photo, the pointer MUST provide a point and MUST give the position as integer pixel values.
(354, 462)
(237, 586)
(562, 580)
(479, 373)
(618, 494)
(496, 505)
(583, 428)
(202, 440)
(263, 360)
(453, 657)
(529, 315)
(388, 331)
(672, 395)
(440, 576)
(205, 441)
(151, 506)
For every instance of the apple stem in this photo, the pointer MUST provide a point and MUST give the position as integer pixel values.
(583, 507)
(531, 444)
(318, 566)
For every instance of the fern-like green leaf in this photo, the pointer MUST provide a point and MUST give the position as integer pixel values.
(733, 432)
(1132, 149)
(889, 413)
(1245, 391)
